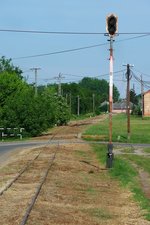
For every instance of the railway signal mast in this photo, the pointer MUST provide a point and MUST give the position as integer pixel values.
(111, 29)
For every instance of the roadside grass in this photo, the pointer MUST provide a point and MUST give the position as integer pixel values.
(14, 139)
(147, 150)
(139, 129)
(141, 161)
(125, 149)
(127, 175)
(82, 117)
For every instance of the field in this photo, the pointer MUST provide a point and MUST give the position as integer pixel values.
(132, 164)
(140, 129)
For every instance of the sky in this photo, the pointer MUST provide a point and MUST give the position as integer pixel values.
(76, 16)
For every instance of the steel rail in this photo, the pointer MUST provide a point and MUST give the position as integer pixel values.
(34, 198)
(26, 166)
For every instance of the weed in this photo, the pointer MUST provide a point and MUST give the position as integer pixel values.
(127, 175)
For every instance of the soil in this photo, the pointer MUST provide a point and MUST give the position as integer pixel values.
(78, 190)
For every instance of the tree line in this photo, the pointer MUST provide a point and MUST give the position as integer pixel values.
(91, 93)
(21, 108)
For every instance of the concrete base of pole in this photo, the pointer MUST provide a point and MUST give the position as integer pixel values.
(109, 156)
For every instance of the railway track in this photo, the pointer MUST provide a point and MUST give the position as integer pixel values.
(29, 163)
(29, 181)
(35, 170)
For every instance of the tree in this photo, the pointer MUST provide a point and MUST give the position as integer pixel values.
(133, 97)
(10, 83)
(6, 65)
(19, 108)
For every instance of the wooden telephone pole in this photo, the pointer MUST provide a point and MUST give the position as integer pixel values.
(128, 77)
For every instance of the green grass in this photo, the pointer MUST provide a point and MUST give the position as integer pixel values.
(91, 190)
(147, 150)
(127, 150)
(140, 129)
(141, 161)
(122, 170)
(127, 175)
(14, 139)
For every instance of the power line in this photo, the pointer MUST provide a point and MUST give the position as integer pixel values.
(107, 74)
(60, 52)
(148, 75)
(52, 32)
(69, 32)
(145, 83)
(83, 76)
(131, 38)
(91, 76)
(77, 49)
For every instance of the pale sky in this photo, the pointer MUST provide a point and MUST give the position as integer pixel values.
(76, 16)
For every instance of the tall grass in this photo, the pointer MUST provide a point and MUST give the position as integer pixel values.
(127, 175)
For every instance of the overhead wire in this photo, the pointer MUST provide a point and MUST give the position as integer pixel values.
(101, 75)
(145, 83)
(87, 76)
(60, 52)
(76, 49)
(142, 73)
(69, 32)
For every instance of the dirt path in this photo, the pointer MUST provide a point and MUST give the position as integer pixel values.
(143, 175)
(78, 190)
(75, 193)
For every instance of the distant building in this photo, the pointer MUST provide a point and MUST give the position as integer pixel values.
(146, 103)
(121, 106)
(104, 103)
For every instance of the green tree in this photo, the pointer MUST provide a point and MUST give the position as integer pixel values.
(6, 65)
(20, 108)
(133, 97)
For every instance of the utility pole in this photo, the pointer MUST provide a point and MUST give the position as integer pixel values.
(78, 110)
(133, 96)
(70, 102)
(128, 77)
(142, 96)
(59, 78)
(35, 70)
(93, 103)
(67, 98)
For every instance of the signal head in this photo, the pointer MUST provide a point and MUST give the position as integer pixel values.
(112, 24)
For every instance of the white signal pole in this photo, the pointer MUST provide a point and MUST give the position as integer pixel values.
(111, 90)
(112, 29)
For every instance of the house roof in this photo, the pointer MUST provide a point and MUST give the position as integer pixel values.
(104, 103)
(146, 92)
(118, 105)
(121, 105)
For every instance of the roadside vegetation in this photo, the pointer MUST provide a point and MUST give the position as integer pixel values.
(21, 107)
(127, 174)
(126, 166)
(139, 129)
